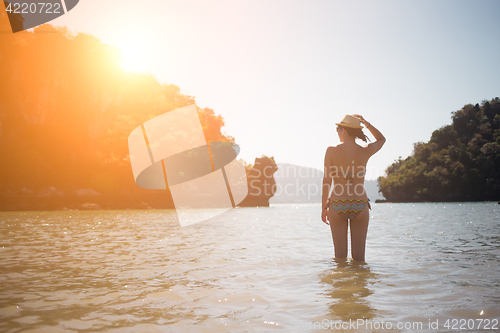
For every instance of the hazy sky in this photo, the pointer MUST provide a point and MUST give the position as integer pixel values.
(281, 73)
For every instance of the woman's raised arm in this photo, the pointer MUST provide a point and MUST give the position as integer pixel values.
(374, 146)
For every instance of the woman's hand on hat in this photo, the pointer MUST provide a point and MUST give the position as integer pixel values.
(360, 117)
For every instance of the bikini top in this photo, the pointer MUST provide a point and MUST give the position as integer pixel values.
(349, 176)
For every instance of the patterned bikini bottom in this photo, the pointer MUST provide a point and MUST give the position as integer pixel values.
(348, 208)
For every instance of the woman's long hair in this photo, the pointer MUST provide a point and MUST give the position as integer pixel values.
(356, 132)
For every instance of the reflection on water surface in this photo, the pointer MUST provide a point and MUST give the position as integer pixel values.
(250, 269)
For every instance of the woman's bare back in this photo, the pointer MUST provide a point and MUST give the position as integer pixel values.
(346, 164)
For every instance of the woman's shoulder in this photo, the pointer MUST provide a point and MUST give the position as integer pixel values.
(335, 147)
(332, 149)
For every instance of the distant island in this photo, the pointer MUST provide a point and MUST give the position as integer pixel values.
(261, 182)
(461, 161)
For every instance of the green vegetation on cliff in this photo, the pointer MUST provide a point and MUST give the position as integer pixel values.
(461, 161)
(66, 110)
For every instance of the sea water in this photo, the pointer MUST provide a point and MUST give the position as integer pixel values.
(429, 266)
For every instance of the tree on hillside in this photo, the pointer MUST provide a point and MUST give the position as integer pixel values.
(460, 162)
(67, 108)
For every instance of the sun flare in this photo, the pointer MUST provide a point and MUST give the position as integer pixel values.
(136, 53)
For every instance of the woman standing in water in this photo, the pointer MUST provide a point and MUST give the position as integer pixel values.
(345, 164)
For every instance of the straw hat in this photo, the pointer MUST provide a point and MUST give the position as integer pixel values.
(350, 121)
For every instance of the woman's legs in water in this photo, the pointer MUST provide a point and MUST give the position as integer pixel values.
(359, 228)
(338, 225)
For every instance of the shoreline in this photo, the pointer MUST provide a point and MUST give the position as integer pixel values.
(33, 204)
(438, 201)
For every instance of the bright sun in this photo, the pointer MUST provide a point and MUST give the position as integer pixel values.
(136, 53)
